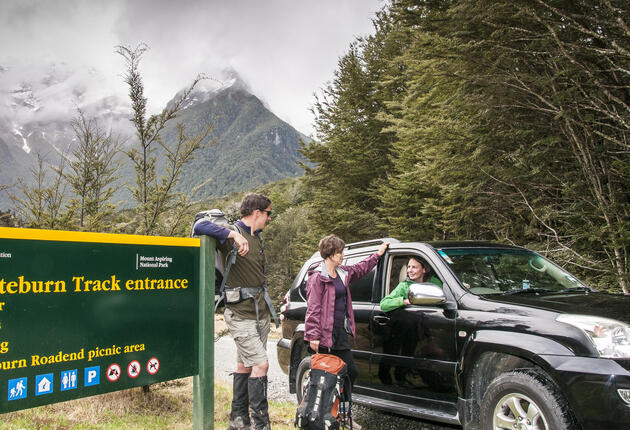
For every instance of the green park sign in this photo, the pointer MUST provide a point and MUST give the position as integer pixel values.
(89, 313)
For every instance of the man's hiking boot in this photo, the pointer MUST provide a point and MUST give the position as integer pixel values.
(239, 416)
(258, 403)
(238, 423)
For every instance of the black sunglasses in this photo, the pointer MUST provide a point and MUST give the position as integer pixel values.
(266, 211)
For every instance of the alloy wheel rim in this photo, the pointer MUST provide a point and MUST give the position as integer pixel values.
(516, 411)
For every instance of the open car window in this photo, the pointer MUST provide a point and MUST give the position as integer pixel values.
(397, 271)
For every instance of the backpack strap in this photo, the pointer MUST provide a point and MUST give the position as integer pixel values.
(230, 259)
(253, 291)
(346, 410)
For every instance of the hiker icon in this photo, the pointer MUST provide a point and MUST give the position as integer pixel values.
(20, 386)
(17, 389)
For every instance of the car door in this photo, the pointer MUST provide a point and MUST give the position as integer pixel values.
(414, 347)
(361, 291)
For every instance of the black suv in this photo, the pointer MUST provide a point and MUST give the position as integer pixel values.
(509, 341)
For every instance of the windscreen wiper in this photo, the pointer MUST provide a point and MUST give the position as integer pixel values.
(574, 289)
(527, 291)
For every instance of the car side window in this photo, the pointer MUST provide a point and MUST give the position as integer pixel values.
(299, 294)
(361, 289)
(398, 271)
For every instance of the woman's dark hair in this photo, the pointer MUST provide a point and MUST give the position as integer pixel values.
(330, 245)
(251, 202)
(413, 257)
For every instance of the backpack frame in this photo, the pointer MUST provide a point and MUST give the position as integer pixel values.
(222, 264)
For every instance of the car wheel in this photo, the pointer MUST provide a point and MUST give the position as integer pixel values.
(301, 378)
(525, 400)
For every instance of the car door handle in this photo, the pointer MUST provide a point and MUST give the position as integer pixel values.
(381, 319)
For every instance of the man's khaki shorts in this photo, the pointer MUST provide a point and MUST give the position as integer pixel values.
(250, 338)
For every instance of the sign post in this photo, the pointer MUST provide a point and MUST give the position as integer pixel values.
(89, 313)
(203, 382)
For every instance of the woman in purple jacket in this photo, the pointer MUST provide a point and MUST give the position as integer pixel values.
(329, 315)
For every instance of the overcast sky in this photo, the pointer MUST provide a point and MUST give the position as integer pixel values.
(285, 50)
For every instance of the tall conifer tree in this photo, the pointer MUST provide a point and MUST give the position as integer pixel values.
(351, 153)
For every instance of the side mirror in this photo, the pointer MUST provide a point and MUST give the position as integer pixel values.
(426, 293)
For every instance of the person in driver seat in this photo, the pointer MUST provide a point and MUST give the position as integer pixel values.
(416, 273)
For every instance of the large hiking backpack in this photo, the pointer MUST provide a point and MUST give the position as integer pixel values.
(222, 263)
(320, 405)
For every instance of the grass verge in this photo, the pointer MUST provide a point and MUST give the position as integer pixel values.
(168, 405)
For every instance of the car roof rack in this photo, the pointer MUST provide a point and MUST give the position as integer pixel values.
(371, 242)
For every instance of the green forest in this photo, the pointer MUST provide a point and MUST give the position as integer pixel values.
(506, 121)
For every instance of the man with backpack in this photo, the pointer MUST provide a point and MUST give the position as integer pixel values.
(247, 308)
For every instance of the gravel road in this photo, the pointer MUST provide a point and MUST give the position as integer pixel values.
(278, 389)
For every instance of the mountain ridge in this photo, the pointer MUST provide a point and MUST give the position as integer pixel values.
(253, 146)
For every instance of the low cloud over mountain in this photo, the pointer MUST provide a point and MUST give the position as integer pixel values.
(253, 146)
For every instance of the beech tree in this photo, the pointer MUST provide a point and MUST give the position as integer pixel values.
(41, 205)
(559, 74)
(505, 120)
(92, 174)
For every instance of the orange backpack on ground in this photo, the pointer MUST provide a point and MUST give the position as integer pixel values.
(319, 409)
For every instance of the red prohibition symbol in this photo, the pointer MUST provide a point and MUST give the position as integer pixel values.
(153, 365)
(113, 372)
(133, 369)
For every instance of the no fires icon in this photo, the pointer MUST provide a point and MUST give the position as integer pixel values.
(133, 369)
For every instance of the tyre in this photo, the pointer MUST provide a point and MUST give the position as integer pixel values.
(301, 377)
(524, 399)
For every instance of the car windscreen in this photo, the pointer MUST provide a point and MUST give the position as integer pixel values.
(508, 271)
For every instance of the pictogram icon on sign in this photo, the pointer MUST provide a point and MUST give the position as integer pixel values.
(113, 372)
(69, 379)
(17, 389)
(44, 384)
(133, 369)
(153, 365)
(92, 376)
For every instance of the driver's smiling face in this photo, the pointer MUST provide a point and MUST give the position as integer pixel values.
(415, 271)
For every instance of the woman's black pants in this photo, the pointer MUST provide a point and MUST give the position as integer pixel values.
(353, 370)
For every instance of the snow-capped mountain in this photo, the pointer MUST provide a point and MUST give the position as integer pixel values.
(36, 113)
(209, 87)
(252, 145)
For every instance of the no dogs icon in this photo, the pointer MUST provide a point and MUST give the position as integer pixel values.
(153, 366)
(133, 369)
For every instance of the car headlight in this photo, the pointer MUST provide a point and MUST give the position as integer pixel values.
(610, 337)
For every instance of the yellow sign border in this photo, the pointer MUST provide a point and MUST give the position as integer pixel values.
(80, 236)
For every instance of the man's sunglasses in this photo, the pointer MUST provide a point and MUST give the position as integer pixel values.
(267, 212)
